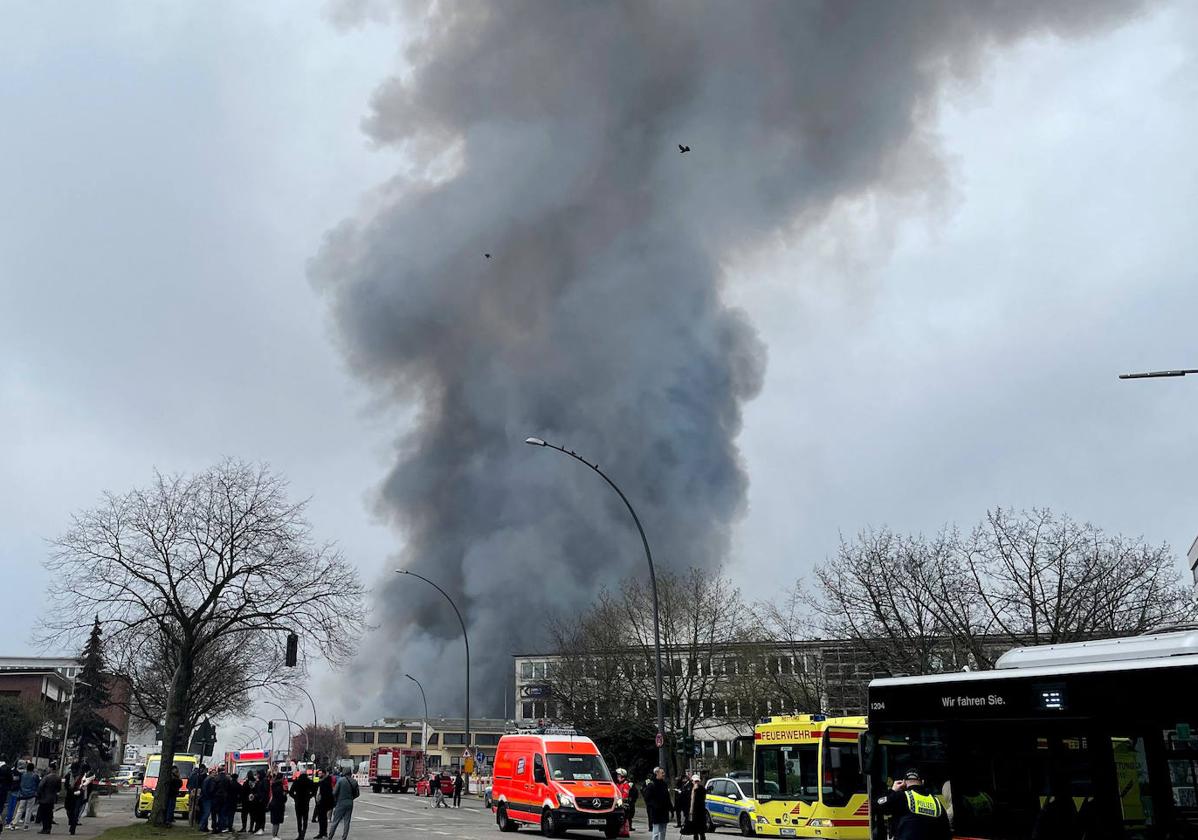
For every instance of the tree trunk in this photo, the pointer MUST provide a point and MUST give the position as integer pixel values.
(171, 725)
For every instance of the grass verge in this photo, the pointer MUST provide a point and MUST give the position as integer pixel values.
(145, 831)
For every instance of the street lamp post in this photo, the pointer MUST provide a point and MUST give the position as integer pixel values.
(465, 638)
(290, 737)
(661, 716)
(424, 722)
(66, 730)
(1158, 374)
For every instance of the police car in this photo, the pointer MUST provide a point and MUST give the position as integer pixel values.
(730, 803)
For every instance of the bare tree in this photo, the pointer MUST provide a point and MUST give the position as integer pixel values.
(605, 673)
(792, 671)
(1046, 579)
(194, 563)
(324, 744)
(918, 605)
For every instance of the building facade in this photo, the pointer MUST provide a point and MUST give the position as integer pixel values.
(446, 738)
(48, 681)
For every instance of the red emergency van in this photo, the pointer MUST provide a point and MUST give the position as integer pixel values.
(555, 779)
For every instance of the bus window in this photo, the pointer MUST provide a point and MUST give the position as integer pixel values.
(842, 773)
(1181, 755)
(792, 768)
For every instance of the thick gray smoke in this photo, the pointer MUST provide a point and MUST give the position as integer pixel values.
(549, 134)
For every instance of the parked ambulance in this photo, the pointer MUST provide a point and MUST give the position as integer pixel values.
(555, 779)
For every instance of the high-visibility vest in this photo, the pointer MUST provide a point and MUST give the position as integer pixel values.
(923, 805)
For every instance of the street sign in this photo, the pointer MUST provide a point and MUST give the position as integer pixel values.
(469, 768)
(659, 740)
(480, 757)
(698, 748)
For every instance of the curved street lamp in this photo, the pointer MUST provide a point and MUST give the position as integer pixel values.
(423, 723)
(465, 638)
(661, 717)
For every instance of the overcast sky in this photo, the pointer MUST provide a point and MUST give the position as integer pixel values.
(170, 169)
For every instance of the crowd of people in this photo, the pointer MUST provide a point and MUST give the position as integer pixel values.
(29, 795)
(265, 794)
(438, 782)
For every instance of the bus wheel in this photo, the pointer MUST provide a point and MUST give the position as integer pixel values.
(746, 825)
(502, 820)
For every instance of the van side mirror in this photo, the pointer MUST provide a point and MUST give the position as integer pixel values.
(538, 775)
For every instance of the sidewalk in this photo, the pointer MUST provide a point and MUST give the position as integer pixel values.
(111, 811)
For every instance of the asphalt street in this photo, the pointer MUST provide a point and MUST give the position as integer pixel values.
(400, 816)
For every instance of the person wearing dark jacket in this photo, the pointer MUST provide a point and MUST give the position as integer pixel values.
(915, 813)
(302, 791)
(195, 786)
(324, 802)
(696, 812)
(458, 784)
(657, 804)
(232, 797)
(70, 796)
(47, 796)
(278, 804)
(245, 799)
(6, 785)
(261, 799)
(174, 787)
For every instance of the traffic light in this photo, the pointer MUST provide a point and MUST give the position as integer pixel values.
(292, 650)
(270, 726)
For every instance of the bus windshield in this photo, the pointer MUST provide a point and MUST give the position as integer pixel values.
(568, 767)
(185, 765)
(787, 771)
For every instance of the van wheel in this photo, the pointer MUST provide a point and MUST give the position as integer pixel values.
(502, 820)
(549, 824)
(377, 788)
(746, 825)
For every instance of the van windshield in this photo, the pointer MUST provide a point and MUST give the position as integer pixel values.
(570, 767)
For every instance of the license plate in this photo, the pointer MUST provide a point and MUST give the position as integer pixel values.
(596, 822)
(787, 832)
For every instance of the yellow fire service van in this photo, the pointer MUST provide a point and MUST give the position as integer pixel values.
(808, 780)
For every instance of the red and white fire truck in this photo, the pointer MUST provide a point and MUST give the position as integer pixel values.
(394, 769)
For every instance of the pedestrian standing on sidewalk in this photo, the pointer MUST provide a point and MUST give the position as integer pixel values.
(681, 794)
(458, 784)
(344, 795)
(697, 813)
(86, 779)
(26, 798)
(278, 803)
(232, 797)
(70, 787)
(302, 790)
(324, 801)
(195, 783)
(245, 798)
(658, 804)
(47, 797)
(174, 786)
(6, 783)
(261, 798)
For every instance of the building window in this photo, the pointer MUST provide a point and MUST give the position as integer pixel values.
(526, 670)
(455, 739)
(432, 739)
(359, 737)
(417, 739)
(534, 709)
(486, 739)
(393, 737)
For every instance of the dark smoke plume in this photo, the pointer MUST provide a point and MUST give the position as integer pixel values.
(546, 135)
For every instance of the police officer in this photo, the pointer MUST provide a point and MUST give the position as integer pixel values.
(915, 814)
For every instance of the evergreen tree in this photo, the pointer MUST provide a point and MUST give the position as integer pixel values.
(88, 729)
